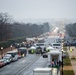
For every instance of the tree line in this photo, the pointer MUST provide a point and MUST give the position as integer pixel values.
(9, 29)
(71, 29)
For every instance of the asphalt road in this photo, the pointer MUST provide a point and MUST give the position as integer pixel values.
(25, 65)
(41, 62)
(15, 67)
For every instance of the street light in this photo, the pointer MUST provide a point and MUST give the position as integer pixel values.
(2, 52)
(11, 47)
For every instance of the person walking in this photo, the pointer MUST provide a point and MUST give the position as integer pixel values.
(52, 63)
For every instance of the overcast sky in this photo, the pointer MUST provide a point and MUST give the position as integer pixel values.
(39, 9)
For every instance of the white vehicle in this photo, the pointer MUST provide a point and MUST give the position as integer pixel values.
(8, 59)
(42, 45)
(54, 55)
(42, 71)
(39, 44)
(14, 54)
(7, 55)
(56, 45)
(49, 48)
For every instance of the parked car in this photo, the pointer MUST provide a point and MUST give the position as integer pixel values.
(22, 51)
(8, 59)
(2, 63)
(14, 54)
(17, 45)
(5, 61)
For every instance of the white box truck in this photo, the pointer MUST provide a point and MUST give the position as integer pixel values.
(42, 71)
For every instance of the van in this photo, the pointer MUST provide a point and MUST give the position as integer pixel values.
(14, 54)
(42, 45)
(56, 45)
(22, 51)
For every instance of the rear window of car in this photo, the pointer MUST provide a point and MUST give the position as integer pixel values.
(6, 57)
(39, 44)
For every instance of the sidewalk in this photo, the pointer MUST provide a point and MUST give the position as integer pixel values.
(73, 62)
(4, 51)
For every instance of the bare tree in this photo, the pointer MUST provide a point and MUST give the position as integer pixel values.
(5, 26)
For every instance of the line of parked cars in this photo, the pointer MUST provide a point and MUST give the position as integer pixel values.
(5, 60)
(12, 56)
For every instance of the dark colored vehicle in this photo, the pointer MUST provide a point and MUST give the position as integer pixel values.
(32, 50)
(45, 56)
(39, 50)
(22, 51)
(23, 45)
(17, 45)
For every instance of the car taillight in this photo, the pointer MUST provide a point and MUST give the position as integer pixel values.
(2, 62)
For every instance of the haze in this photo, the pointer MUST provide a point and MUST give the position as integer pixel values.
(39, 9)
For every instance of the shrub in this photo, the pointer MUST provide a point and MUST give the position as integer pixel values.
(6, 44)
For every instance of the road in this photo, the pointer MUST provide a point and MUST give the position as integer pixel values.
(15, 67)
(25, 65)
(41, 62)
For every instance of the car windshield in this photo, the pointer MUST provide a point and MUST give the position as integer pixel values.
(56, 44)
(6, 57)
(40, 44)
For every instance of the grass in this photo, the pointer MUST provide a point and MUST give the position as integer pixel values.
(65, 48)
(68, 72)
(67, 61)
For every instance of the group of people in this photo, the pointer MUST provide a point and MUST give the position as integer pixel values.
(56, 63)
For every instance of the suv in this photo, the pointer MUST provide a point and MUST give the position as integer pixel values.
(42, 45)
(14, 54)
(8, 57)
